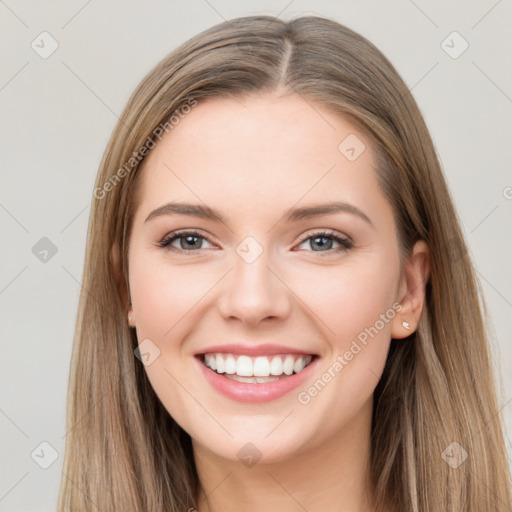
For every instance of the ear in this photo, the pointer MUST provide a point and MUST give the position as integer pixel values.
(115, 255)
(411, 291)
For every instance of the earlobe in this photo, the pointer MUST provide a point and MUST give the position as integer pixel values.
(416, 273)
(131, 317)
(404, 323)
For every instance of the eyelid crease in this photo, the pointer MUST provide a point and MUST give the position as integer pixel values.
(345, 241)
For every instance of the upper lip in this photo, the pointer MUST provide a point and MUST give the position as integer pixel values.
(252, 350)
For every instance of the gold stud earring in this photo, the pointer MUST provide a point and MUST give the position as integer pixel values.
(406, 325)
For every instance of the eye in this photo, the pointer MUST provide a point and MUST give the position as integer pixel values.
(189, 241)
(324, 240)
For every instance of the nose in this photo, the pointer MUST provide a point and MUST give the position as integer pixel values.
(253, 292)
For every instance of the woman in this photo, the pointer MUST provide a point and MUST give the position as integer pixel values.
(278, 309)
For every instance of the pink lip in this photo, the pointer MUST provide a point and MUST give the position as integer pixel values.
(255, 393)
(252, 350)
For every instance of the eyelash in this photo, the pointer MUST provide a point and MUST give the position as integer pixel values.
(345, 243)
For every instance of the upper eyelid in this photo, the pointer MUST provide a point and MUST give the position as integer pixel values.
(184, 232)
(175, 235)
(327, 231)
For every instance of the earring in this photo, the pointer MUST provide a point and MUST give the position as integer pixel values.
(129, 318)
(406, 325)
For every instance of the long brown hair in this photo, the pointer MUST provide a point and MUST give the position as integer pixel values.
(436, 397)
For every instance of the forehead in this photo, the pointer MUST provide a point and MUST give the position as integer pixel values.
(261, 152)
(282, 127)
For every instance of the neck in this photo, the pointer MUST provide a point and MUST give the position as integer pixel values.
(331, 476)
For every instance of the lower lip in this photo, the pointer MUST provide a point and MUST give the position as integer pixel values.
(256, 393)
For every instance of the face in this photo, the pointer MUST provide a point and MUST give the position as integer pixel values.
(292, 303)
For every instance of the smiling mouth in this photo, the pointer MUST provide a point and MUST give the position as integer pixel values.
(256, 370)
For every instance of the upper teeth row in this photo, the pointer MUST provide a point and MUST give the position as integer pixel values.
(261, 366)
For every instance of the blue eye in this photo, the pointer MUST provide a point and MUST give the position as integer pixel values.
(191, 241)
(324, 239)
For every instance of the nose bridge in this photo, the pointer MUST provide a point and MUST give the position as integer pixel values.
(253, 292)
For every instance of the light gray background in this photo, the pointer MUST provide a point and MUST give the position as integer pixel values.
(57, 114)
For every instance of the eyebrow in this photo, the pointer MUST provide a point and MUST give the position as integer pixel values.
(291, 215)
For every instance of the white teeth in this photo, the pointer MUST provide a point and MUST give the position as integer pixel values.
(264, 380)
(244, 366)
(276, 366)
(252, 380)
(288, 365)
(259, 370)
(299, 365)
(210, 361)
(261, 367)
(220, 363)
(230, 365)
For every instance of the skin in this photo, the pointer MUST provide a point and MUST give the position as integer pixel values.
(252, 160)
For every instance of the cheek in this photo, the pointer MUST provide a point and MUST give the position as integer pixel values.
(355, 306)
(162, 295)
(350, 299)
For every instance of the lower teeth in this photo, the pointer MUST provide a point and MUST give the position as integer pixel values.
(254, 380)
